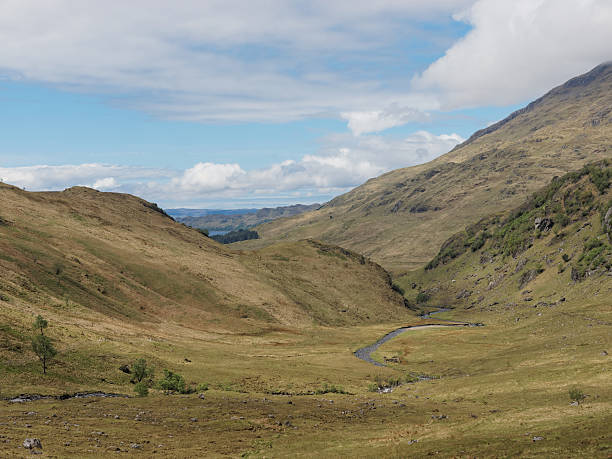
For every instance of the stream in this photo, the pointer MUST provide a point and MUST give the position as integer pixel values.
(365, 353)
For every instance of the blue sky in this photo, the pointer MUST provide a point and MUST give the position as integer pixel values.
(233, 104)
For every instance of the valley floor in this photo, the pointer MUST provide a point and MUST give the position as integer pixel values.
(498, 390)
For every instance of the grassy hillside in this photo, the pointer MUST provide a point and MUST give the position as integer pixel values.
(281, 376)
(117, 255)
(400, 219)
(554, 247)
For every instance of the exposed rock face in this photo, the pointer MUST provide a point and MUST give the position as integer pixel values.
(543, 224)
(527, 277)
(608, 221)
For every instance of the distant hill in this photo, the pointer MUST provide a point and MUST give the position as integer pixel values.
(400, 218)
(184, 212)
(222, 220)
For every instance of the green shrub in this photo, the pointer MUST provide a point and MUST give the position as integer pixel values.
(141, 389)
(236, 236)
(172, 382)
(565, 257)
(330, 389)
(576, 395)
(422, 297)
(562, 220)
(202, 387)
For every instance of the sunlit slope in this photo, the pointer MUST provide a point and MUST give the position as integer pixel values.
(400, 218)
(555, 248)
(84, 253)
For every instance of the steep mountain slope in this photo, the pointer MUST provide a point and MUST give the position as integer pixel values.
(82, 253)
(554, 248)
(400, 218)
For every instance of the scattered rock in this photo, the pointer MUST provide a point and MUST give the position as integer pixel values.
(135, 446)
(538, 438)
(520, 264)
(604, 353)
(125, 369)
(464, 294)
(194, 419)
(202, 396)
(528, 276)
(31, 443)
(543, 224)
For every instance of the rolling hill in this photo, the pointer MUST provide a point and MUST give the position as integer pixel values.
(400, 218)
(82, 253)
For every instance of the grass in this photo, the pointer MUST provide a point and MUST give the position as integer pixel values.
(498, 387)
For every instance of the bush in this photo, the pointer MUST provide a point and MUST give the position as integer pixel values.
(422, 297)
(172, 382)
(576, 395)
(330, 389)
(235, 236)
(565, 257)
(202, 387)
(141, 389)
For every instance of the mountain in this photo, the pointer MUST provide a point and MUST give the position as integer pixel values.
(400, 218)
(554, 248)
(246, 218)
(81, 253)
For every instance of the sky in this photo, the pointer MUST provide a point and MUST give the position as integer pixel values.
(253, 103)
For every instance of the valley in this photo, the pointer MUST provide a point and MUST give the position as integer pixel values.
(459, 308)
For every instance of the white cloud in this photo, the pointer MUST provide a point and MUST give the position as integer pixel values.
(343, 162)
(106, 184)
(518, 50)
(44, 177)
(379, 120)
(214, 60)
(205, 177)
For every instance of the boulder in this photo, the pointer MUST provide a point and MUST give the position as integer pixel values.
(32, 443)
(543, 224)
(125, 369)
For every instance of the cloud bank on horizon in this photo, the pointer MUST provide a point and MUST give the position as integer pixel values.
(273, 61)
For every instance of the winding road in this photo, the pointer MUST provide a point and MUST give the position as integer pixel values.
(365, 353)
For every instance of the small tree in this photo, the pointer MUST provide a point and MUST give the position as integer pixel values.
(41, 344)
(40, 324)
(576, 395)
(141, 371)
